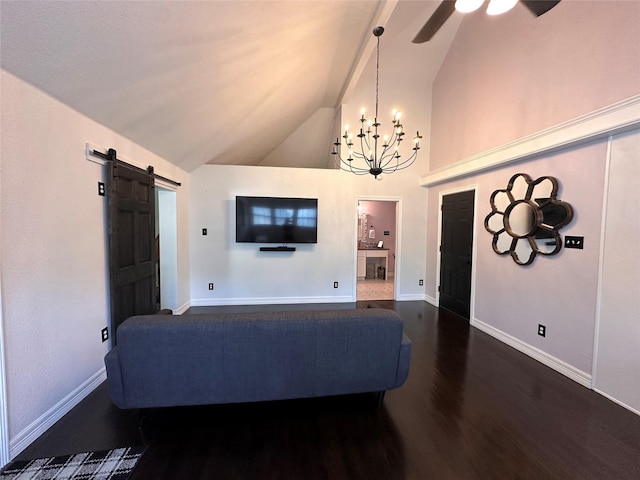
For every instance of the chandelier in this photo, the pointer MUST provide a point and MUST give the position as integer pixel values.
(375, 155)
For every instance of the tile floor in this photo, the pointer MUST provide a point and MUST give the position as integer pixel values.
(375, 289)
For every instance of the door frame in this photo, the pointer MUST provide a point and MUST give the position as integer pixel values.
(166, 211)
(474, 246)
(4, 420)
(397, 267)
(93, 154)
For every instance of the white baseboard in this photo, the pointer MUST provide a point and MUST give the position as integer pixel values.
(183, 308)
(212, 302)
(615, 400)
(550, 361)
(27, 436)
(431, 300)
(407, 297)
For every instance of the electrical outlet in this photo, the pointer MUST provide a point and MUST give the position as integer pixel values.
(542, 330)
(204, 231)
(421, 282)
(335, 284)
(211, 286)
(101, 189)
(105, 334)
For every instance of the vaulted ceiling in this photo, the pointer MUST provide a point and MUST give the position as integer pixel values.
(196, 82)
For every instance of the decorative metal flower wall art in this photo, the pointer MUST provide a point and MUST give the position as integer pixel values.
(525, 218)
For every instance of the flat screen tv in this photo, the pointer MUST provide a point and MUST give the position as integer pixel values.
(276, 220)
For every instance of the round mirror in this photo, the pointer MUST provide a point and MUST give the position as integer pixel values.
(525, 218)
(502, 243)
(544, 189)
(546, 246)
(495, 223)
(555, 215)
(501, 200)
(523, 253)
(520, 219)
(519, 187)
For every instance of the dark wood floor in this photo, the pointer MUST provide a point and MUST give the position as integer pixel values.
(472, 408)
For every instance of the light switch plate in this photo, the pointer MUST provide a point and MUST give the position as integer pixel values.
(574, 242)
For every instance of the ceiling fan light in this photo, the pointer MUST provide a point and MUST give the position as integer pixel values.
(466, 6)
(496, 7)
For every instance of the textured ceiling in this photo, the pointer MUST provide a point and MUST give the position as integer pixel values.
(194, 82)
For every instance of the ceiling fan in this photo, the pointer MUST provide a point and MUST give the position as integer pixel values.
(447, 7)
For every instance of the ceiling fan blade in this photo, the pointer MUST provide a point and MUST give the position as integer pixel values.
(444, 11)
(538, 7)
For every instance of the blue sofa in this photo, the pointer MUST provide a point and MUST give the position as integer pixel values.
(200, 359)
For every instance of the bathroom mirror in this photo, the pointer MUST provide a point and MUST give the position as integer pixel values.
(525, 218)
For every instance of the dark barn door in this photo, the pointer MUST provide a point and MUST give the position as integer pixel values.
(455, 252)
(131, 242)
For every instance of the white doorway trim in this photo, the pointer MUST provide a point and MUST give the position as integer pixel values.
(4, 412)
(444, 193)
(167, 230)
(398, 245)
(4, 424)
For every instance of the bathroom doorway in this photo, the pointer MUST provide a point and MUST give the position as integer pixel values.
(376, 249)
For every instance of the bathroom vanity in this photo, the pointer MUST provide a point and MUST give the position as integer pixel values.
(372, 255)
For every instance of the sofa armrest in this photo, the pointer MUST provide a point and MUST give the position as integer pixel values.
(403, 361)
(114, 377)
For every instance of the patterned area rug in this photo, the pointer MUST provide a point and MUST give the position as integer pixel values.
(114, 464)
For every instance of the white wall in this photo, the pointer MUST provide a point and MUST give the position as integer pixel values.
(166, 210)
(243, 275)
(501, 96)
(54, 262)
(588, 299)
(557, 291)
(512, 75)
(308, 146)
(617, 353)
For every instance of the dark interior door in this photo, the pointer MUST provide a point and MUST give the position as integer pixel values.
(455, 252)
(131, 242)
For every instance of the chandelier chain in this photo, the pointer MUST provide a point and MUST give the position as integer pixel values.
(377, 73)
